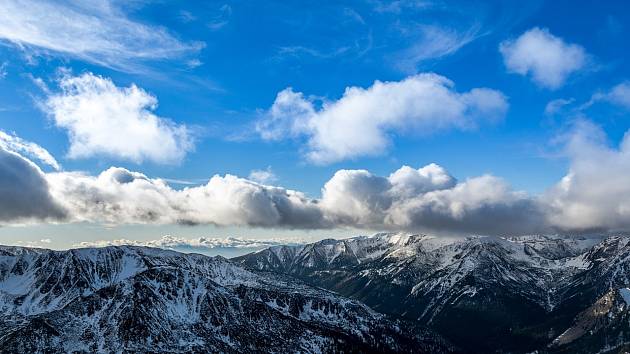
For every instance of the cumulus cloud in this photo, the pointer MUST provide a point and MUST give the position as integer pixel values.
(263, 176)
(361, 121)
(24, 191)
(103, 119)
(120, 196)
(547, 59)
(356, 197)
(485, 205)
(11, 142)
(97, 31)
(595, 194)
(429, 199)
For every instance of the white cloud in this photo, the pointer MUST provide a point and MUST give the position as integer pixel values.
(429, 199)
(408, 181)
(96, 31)
(119, 196)
(484, 205)
(263, 176)
(103, 119)
(426, 199)
(619, 95)
(17, 144)
(356, 197)
(547, 59)
(360, 123)
(595, 194)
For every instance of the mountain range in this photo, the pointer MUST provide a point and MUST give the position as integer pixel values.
(130, 299)
(545, 294)
(386, 293)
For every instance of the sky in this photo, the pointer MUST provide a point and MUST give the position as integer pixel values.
(129, 121)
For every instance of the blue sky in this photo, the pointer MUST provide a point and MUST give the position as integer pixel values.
(214, 70)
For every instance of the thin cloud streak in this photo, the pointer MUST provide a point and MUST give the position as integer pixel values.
(98, 32)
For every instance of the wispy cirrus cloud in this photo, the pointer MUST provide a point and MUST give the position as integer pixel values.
(433, 42)
(221, 19)
(99, 32)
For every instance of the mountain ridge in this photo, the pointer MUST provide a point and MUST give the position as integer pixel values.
(138, 299)
(514, 294)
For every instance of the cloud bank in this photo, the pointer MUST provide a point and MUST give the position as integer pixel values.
(547, 59)
(97, 31)
(120, 196)
(593, 196)
(361, 122)
(104, 119)
(427, 198)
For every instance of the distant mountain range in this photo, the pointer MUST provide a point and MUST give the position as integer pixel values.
(137, 299)
(387, 293)
(548, 294)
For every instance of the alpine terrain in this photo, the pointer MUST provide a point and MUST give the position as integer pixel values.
(136, 299)
(549, 294)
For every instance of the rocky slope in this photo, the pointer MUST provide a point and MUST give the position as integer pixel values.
(135, 299)
(512, 294)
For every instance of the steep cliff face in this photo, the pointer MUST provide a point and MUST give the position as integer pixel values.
(132, 299)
